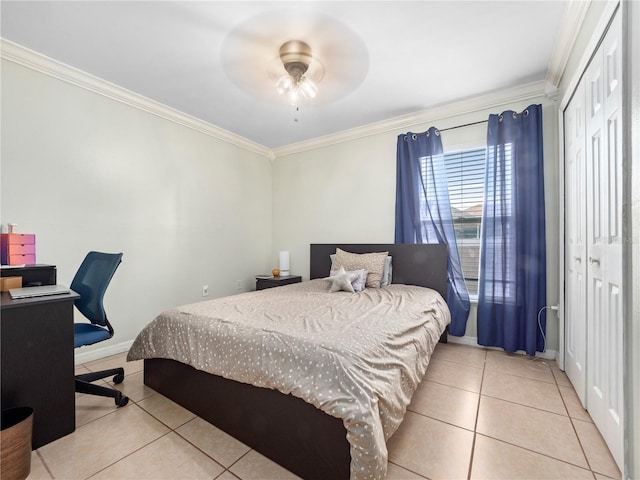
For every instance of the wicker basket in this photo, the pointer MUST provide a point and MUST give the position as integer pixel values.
(15, 443)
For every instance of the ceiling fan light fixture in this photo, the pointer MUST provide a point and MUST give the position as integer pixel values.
(308, 88)
(296, 57)
(285, 84)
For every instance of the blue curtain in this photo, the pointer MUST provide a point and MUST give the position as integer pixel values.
(512, 288)
(423, 212)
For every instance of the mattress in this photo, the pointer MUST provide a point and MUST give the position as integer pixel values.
(355, 356)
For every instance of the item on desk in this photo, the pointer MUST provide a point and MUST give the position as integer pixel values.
(10, 282)
(40, 291)
(12, 227)
(17, 248)
(276, 272)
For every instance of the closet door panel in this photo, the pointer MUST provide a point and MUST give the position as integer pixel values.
(575, 231)
(604, 242)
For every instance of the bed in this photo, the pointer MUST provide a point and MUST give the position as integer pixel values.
(313, 436)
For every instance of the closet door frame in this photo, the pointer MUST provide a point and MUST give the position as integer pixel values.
(631, 199)
(630, 71)
(589, 51)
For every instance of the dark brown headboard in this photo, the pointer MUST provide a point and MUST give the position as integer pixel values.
(424, 265)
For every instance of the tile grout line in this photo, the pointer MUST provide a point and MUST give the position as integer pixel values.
(573, 426)
(527, 406)
(494, 369)
(452, 386)
(128, 455)
(134, 402)
(439, 420)
(475, 425)
(171, 430)
(46, 467)
(175, 430)
(512, 444)
(407, 469)
(536, 452)
(584, 452)
(485, 368)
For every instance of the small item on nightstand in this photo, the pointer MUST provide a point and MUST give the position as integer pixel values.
(276, 272)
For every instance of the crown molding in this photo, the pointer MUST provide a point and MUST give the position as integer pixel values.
(470, 105)
(572, 22)
(28, 58)
(25, 57)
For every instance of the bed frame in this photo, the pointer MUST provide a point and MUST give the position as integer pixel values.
(284, 428)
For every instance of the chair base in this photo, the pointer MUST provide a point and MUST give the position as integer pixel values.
(84, 385)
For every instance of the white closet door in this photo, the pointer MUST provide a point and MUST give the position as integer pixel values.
(604, 241)
(576, 249)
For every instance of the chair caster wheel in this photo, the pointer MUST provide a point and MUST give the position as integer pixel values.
(118, 378)
(121, 400)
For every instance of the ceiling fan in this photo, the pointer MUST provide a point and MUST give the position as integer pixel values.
(295, 56)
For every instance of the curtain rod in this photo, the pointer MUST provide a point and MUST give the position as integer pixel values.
(450, 128)
(465, 125)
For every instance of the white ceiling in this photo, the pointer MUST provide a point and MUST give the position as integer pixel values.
(211, 59)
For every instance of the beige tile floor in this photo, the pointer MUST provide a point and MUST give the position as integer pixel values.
(478, 414)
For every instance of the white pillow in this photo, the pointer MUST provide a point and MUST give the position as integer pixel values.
(387, 273)
(359, 283)
(342, 280)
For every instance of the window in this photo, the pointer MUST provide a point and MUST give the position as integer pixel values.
(465, 178)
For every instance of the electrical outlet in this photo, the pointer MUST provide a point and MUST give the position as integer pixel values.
(205, 290)
(239, 285)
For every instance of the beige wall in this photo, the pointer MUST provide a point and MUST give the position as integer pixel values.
(85, 172)
(346, 193)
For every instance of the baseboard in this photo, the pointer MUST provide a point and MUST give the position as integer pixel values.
(98, 353)
(473, 342)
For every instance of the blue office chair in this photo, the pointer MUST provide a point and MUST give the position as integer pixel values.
(91, 282)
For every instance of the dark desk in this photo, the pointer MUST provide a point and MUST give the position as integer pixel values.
(37, 362)
(33, 274)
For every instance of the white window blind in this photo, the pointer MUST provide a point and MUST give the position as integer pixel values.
(465, 178)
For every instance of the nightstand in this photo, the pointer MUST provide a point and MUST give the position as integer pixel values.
(262, 283)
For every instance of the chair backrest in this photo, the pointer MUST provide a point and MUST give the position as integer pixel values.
(91, 282)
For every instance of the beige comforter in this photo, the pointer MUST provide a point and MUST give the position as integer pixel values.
(356, 356)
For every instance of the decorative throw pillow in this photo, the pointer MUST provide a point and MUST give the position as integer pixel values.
(387, 272)
(342, 280)
(359, 283)
(373, 263)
